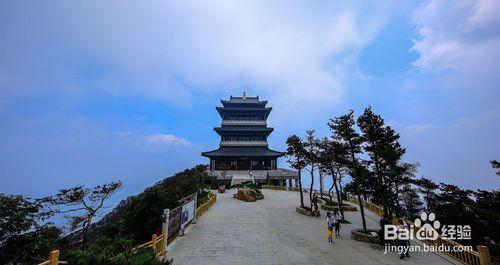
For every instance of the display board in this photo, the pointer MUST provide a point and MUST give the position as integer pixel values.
(174, 222)
(188, 213)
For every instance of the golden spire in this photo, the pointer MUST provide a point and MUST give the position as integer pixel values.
(244, 95)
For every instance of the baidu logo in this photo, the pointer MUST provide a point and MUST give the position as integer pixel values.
(426, 227)
(426, 231)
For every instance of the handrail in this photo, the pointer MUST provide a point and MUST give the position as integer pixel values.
(53, 259)
(205, 206)
(284, 188)
(480, 257)
(156, 242)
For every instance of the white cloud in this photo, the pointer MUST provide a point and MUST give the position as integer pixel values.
(461, 36)
(155, 139)
(168, 139)
(294, 53)
(418, 128)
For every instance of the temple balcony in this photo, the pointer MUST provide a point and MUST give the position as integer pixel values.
(243, 143)
(243, 122)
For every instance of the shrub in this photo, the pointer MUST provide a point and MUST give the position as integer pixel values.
(139, 216)
(113, 251)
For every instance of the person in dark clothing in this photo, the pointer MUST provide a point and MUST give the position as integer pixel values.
(315, 206)
(383, 222)
(402, 242)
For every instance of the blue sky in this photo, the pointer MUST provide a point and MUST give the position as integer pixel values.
(96, 91)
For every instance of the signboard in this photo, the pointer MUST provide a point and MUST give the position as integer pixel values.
(174, 222)
(188, 213)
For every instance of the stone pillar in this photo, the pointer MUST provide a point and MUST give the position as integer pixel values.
(166, 214)
(195, 204)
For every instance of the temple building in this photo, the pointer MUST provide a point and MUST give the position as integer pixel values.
(244, 152)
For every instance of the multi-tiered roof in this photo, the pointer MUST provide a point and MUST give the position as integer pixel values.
(243, 129)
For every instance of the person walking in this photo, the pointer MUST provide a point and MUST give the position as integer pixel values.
(401, 243)
(336, 219)
(330, 227)
(407, 242)
(383, 223)
(315, 206)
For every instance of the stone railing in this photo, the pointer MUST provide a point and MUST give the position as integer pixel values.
(285, 188)
(243, 143)
(243, 122)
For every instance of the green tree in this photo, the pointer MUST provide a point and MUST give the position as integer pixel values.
(496, 165)
(311, 159)
(381, 144)
(139, 216)
(343, 131)
(454, 205)
(401, 175)
(25, 237)
(296, 154)
(412, 205)
(487, 219)
(428, 189)
(81, 205)
(332, 155)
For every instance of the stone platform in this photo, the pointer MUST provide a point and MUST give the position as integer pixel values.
(269, 231)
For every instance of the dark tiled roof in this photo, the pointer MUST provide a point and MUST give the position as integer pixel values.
(243, 108)
(242, 151)
(243, 129)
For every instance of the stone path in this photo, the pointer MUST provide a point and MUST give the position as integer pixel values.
(269, 231)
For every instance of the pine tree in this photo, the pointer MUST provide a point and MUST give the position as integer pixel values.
(332, 156)
(296, 154)
(311, 158)
(496, 165)
(428, 189)
(411, 201)
(343, 131)
(381, 144)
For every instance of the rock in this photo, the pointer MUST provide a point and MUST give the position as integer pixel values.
(248, 195)
(303, 211)
(358, 235)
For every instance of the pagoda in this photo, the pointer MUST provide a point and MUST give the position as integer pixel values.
(244, 152)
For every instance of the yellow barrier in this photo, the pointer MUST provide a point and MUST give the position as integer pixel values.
(479, 257)
(156, 243)
(53, 259)
(204, 207)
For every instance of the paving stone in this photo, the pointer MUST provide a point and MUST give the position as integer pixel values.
(269, 231)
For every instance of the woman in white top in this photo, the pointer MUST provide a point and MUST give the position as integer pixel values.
(329, 223)
(336, 219)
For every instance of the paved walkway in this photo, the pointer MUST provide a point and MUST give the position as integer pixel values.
(269, 231)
